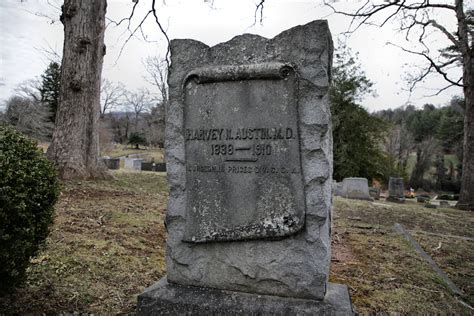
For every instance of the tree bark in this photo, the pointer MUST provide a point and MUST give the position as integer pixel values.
(466, 196)
(75, 145)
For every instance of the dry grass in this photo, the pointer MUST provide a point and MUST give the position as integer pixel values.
(385, 274)
(108, 244)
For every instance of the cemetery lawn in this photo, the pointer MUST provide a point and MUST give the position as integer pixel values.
(105, 247)
(383, 271)
(108, 244)
(124, 150)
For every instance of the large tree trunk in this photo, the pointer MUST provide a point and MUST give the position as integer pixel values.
(466, 197)
(75, 145)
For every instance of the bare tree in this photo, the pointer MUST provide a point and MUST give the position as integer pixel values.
(157, 69)
(111, 95)
(398, 144)
(28, 116)
(29, 89)
(75, 145)
(418, 21)
(424, 154)
(139, 101)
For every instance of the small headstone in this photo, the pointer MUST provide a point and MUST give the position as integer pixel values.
(133, 163)
(396, 190)
(137, 164)
(148, 166)
(152, 166)
(337, 188)
(160, 167)
(356, 188)
(112, 163)
(374, 193)
(443, 203)
(249, 159)
(128, 163)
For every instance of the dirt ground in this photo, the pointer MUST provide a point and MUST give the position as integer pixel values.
(108, 244)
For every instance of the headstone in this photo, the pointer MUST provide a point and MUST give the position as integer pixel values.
(137, 164)
(337, 188)
(152, 166)
(148, 166)
(133, 163)
(128, 163)
(396, 191)
(112, 163)
(160, 167)
(374, 193)
(443, 203)
(356, 188)
(249, 162)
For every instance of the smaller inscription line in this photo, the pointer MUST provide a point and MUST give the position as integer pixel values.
(241, 160)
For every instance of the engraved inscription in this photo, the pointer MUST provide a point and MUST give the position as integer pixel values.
(243, 169)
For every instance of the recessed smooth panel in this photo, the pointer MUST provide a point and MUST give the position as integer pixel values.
(243, 168)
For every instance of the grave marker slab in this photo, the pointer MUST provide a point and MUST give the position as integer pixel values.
(112, 163)
(249, 162)
(356, 188)
(396, 191)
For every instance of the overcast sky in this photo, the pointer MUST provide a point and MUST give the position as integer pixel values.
(29, 27)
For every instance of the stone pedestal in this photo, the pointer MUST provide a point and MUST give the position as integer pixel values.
(164, 298)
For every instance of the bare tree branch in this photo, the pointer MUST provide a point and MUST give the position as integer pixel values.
(139, 28)
(111, 95)
(259, 7)
(433, 64)
(157, 70)
(139, 101)
(162, 31)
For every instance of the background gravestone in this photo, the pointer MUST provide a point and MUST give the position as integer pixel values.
(337, 188)
(374, 193)
(249, 162)
(148, 166)
(112, 163)
(396, 191)
(133, 163)
(356, 188)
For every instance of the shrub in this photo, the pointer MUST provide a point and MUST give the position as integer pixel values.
(28, 191)
(137, 139)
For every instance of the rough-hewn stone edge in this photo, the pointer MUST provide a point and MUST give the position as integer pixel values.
(316, 145)
(164, 298)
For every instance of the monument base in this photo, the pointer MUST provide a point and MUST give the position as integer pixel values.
(166, 298)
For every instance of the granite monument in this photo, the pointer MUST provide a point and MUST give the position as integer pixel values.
(356, 188)
(396, 191)
(249, 162)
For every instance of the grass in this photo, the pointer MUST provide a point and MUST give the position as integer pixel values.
(385, 274)
(108, 244)
(123, 150)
